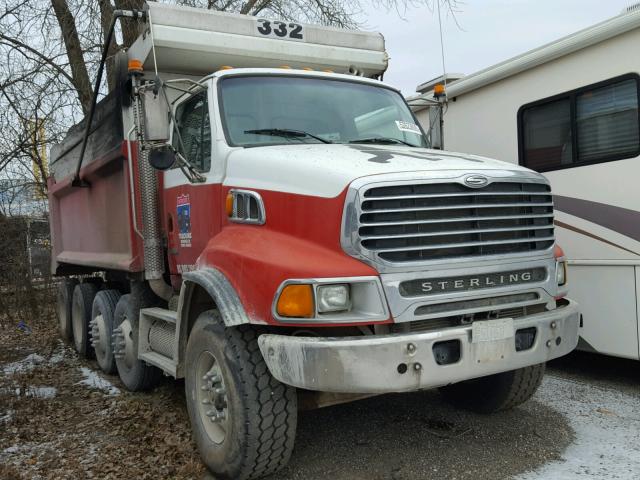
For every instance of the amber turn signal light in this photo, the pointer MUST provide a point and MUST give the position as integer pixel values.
(228, 204)
(296, 301)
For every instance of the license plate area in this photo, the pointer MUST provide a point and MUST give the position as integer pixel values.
(492, 340)
(492, 330)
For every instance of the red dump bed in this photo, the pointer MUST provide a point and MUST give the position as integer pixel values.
(91, 227)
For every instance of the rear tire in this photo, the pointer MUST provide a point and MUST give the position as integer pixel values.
(494, 393)
(64, 297)
(134, 373)
(243, 419)
(83, 295)
(104, 306)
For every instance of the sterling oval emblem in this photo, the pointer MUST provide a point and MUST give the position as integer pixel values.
(476, 181)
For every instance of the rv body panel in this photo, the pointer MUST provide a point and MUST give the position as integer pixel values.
(597, 206)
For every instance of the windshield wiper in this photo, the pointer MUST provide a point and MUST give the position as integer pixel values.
(382, 140)
(286, 132)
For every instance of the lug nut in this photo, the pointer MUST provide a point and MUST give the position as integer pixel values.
(548, 343)
(417, 367)
(411, 348)
(554, 325)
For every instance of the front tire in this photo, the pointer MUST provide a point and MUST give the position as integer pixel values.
(494, 393)
(243, 419)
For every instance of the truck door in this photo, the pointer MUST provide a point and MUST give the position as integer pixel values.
(191, 210)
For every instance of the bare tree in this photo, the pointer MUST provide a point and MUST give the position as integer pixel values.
(49, 52)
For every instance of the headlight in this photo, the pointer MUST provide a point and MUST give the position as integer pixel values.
(333, 298)
(561, 273)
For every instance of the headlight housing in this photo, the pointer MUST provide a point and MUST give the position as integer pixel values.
(330, 301)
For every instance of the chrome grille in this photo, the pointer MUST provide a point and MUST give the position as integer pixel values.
(458, 320)
(436, 221)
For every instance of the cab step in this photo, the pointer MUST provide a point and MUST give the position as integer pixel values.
(157, 341)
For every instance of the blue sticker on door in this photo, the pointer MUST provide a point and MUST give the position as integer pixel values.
(184, 220)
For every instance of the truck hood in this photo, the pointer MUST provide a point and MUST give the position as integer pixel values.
(326, 170)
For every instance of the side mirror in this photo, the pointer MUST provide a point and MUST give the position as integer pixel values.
(162, 158)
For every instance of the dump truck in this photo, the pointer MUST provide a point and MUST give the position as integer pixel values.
(252, 210)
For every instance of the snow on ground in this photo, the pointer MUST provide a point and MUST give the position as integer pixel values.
(26, 364)
(41, 392)
(607, 428)
(34, 360)
(30, 391)
(58, 355)
(92, 380)
(7, 416)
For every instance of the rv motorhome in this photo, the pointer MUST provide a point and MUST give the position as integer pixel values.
(569, 110)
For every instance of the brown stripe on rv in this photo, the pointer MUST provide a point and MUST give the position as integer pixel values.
(591, 235)
(618, 219)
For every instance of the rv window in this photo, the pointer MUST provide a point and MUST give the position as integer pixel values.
(593, 124)
(607, 122)
(547, 135)
(192, 119)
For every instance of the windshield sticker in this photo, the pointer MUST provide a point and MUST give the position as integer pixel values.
(184, 220)
(408, 127)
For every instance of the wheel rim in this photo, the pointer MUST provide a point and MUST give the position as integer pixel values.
(77, 321)
(123, 345)
(99, 337)
(211, 397)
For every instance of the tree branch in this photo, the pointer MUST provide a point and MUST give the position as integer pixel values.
(74, 52)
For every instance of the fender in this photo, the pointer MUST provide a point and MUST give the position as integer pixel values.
(256, 260)
(219, 289)
(202, 290)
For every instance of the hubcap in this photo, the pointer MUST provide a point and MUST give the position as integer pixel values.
(99, 338)
(123, 347)
(211, 396)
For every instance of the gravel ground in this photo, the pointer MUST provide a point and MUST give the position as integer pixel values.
(60, 418)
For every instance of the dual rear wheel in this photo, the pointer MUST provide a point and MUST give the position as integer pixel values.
(102, 324)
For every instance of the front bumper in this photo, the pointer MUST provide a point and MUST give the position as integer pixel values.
(373, 364)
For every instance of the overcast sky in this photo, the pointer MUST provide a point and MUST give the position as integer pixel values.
(492, 31)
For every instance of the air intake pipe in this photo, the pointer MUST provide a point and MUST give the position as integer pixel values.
(153, 245)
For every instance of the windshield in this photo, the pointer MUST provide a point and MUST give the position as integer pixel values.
(267, 110)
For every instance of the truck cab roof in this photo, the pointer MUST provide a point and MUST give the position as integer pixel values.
(230, 72)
